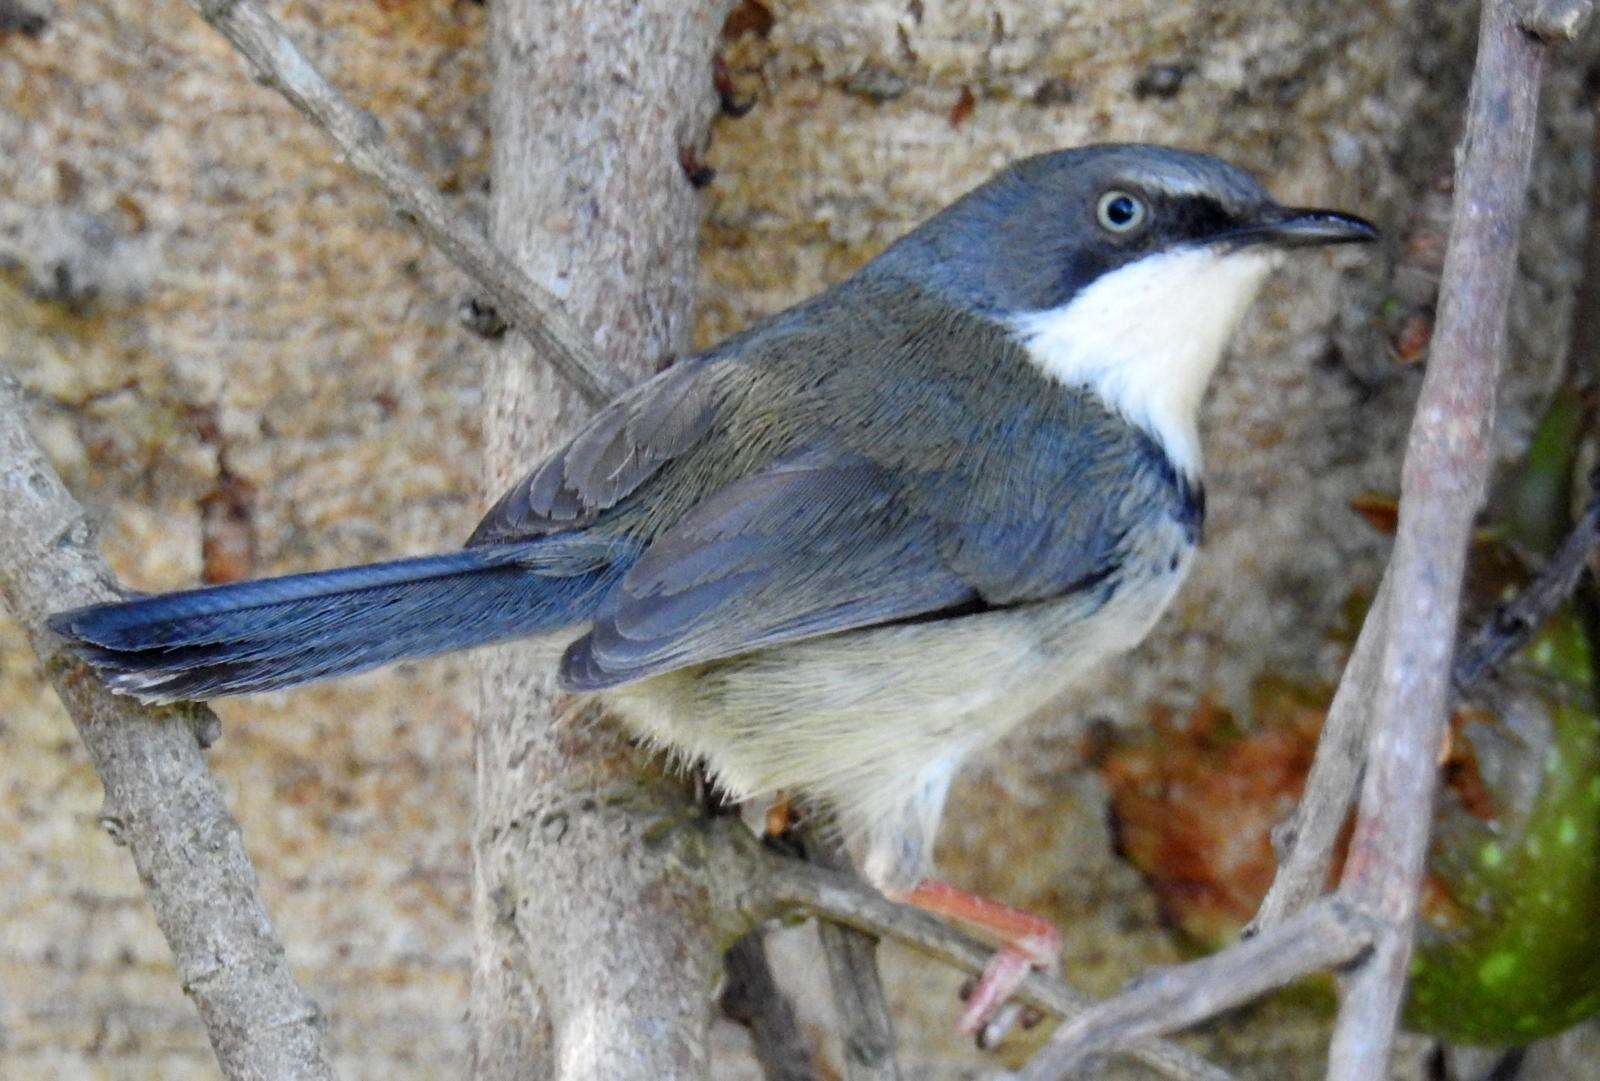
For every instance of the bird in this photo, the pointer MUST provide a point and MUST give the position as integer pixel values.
(835, 554)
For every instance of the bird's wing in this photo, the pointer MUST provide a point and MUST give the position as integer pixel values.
(814, 544)
(622, 447)
(830, 540)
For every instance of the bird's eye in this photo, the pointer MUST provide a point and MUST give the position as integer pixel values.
(1120, 212)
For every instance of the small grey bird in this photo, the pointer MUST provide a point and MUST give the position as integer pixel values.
(836, 553)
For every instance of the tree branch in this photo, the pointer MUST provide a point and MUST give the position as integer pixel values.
(865, 1028)
(753, 998)
(588, 865)
(1308, 848)
(1442, 484)
(788, 885)
(1401, 673)
(1308, 844)
(1327, 934)
(160, 799)
(1514, 624)
(535, 314)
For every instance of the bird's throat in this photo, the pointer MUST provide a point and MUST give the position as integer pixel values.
(1148, 336)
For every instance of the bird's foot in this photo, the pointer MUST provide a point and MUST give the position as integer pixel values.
(990, 1015)
(1029, 942)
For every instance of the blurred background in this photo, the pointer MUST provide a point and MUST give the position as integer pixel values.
(243, 366)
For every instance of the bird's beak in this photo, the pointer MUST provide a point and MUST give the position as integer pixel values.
(1303, 227)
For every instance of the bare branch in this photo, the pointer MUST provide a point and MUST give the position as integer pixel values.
(1514, 624)
(753, 998)
(865, 1027)
(1583, 336)
(1327, 934)
(587, 865)
(1307, 851)
(160, 799)
(1308, 842)
(1313, 833)
(832, 895)
(1442, 484)
(532, 310)
(1401, 673)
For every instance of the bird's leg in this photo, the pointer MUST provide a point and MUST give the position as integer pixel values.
(1027, 942)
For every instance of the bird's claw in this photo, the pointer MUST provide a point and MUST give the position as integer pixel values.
(990, 1015)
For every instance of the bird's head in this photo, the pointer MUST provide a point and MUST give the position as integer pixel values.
(1121, 267)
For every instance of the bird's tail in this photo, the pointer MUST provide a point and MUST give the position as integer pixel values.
(277, 632)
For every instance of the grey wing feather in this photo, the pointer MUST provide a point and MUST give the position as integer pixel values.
(809, 546)
(623, 446)
(832, 539)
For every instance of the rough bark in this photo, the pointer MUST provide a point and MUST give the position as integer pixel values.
(1443, 481)
(161, 802)
(598, 941)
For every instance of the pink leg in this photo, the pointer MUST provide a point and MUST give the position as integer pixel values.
(1027, 942)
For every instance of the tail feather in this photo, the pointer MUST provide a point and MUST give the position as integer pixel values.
(216, 613)
(262, 635)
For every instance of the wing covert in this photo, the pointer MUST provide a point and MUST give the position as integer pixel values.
(621, 448)
(811, 545)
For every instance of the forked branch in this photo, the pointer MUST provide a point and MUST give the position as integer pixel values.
(1326, 935)
(1442, 484)
(1312, 836)
(1399, 681)
(788, 885)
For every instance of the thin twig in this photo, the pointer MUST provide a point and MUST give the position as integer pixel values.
(160, 799)
(865, 1027)
(1325, 935)
(1308, 849)
(790, 885)
(531, 310)
(1309, 844)
(1512, 625)
(1442, 484)
(752, 998)
(1583, 337)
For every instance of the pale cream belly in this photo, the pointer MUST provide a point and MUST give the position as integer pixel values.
(875, 722)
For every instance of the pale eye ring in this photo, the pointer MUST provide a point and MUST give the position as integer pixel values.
(1120, 211)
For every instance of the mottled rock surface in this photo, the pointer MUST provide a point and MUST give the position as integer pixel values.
(244, 366)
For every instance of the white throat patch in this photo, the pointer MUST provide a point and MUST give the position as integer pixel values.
(1148, 336)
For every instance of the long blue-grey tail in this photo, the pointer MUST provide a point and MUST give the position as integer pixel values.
(277, 632)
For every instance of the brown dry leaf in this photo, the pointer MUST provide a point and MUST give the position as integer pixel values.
(1194, 804)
